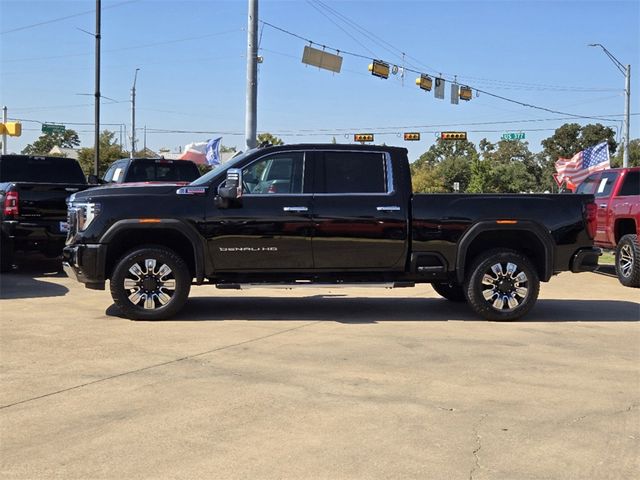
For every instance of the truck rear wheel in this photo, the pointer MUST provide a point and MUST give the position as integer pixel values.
(502, 285)
(628, 261)
(450, 291)
(150, 283)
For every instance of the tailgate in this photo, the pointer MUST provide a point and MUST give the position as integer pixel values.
(44, 201)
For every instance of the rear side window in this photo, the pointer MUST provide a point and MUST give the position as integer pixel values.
(631, 185)
(40, 170)
(353, 172)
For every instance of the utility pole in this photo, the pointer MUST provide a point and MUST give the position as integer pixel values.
(251, 121)
(4, 132)
(626, 71)
(133, 115)
(627, 116)
(96, 144)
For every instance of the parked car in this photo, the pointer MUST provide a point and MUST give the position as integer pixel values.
(617, 194)
(323, 214)
(129, 170)
(33, 192)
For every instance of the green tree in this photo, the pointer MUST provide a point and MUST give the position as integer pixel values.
(44, 143)
(507, 167)
(110, 151)
(448, 162)
(269, 138)
(426, 179)
(634, 154)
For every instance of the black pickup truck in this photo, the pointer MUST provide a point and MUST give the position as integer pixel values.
(33, 193)
(323, 214)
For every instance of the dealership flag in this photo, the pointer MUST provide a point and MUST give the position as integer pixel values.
(582, 164)
(212, 152)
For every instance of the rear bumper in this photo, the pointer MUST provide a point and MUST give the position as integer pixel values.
(86, 264)
(585, 260)
(45, 236)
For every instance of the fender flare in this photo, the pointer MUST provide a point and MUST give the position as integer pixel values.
(164, 223)
(491, 226)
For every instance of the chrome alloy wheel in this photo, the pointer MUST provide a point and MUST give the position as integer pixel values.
(149, 286)
(505, 286)
(625, 260)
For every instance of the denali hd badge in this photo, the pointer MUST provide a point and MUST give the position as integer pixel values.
(248, 249)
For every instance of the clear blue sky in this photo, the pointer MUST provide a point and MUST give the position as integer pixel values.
(191, 56)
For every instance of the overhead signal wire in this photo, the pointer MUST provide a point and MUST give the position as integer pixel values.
(501, 97)
(66, 17)
(372, 36)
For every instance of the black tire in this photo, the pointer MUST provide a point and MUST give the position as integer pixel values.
(502, 285)
(6, 256)
(451, 291)
(150, 283)
(628, 261)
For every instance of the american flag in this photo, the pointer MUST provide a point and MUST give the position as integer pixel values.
(583, 163)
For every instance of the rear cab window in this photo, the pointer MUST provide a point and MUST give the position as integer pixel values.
(353, 173)
(40, 170)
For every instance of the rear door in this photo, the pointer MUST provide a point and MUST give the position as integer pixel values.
(360, 217)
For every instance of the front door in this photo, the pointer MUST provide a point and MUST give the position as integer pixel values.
(270, 228)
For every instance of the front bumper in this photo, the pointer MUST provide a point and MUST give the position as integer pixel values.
(585, 260)
(86, 264)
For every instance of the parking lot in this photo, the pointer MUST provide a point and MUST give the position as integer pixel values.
(318, 383)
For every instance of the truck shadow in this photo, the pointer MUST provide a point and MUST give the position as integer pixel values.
(28, 278)
(373, 310)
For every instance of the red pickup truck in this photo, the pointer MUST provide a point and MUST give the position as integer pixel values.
(617, 193)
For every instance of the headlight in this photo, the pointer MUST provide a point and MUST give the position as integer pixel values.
(85, 213)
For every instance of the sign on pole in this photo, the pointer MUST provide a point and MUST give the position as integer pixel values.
(513, 136)
(52, 128)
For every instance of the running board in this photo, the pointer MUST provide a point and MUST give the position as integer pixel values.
(290, 286)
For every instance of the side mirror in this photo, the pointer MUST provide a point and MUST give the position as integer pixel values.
(231, 189)
(93, 179)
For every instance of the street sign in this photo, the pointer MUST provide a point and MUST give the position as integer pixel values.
(52, 128)
(513, 136)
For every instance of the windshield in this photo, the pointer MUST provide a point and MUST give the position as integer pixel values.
(207, 177)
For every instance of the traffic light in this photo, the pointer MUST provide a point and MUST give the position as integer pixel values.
(13, 129)
(453, 135)
(379, 69)
(424, 82)
(412, 136)
(465, 93)
(363, 137)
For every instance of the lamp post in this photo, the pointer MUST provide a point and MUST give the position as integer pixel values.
(626, 71)
(133, 115)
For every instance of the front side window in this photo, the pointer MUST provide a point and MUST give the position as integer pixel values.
(353, 172)
(605, 185)
(281, 173)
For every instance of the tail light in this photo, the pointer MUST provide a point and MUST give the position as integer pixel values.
(11, 203)
(590, 216)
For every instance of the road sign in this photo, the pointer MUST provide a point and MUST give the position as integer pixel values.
(513, 136)
(51, 128)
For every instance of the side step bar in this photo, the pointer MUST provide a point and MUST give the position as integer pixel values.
(289, 286)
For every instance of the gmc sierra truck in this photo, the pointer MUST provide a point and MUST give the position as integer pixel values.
(323, 214)
(617, 193)
(33, 193)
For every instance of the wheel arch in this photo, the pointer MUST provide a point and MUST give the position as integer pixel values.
(125, 235)
(624, 226)
(528, 238)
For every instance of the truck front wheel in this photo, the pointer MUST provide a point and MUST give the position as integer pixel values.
(502, 285)
(150, 283)
(628, 261)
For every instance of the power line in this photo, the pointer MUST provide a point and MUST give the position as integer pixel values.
(418, 72)
(59, 19)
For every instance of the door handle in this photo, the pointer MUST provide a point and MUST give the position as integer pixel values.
(295, 209)
(391, 208)
(603, 205)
